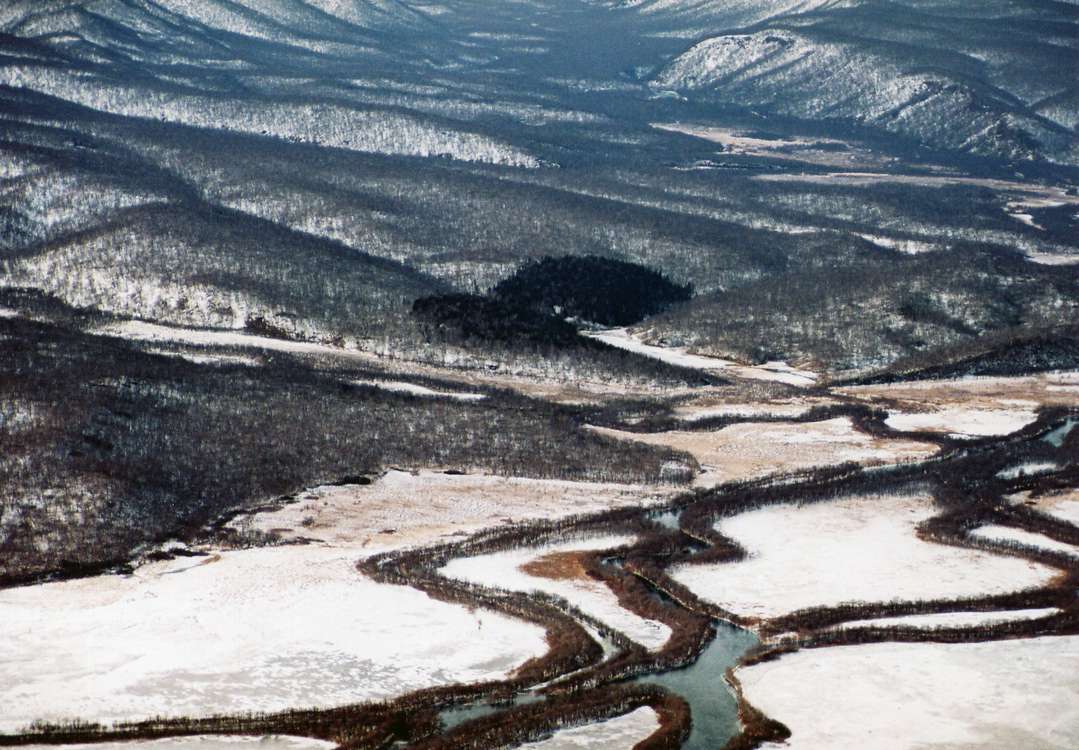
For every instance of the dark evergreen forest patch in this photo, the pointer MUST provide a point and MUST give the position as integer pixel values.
(600, 290)
(472, 317)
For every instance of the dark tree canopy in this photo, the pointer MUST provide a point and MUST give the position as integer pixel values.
(601, 290)
(469, 316)
(1040, 351)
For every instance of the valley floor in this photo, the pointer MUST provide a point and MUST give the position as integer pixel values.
(863, 600)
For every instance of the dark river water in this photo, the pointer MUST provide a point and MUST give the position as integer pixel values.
(713, 706)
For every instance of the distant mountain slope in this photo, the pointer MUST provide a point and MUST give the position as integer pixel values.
(321, 164)
(859, 314)
(1008, 353)
(284, 68)
(993, 78)
(221, 269)
(696, 17)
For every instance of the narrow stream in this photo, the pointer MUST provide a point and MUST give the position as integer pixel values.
(1057, 437)
(457, 715)
(711, 702)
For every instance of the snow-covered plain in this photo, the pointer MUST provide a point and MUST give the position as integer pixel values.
(709, 407)
(507, 570)
(997, 533)
(856, 549)
(743, 451)
(1063, 506)
(204, 742)
(952, 619)
(775, 371)
(619, 733)
(972, 395)
(253, 630)
(960, 422)
(821, 151)
(886, 696)
(405, 509)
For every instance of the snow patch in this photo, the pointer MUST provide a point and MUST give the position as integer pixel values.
(857, 549)
(997, 533)
(413, 389)
(405, 509)
(952, 619)
(254, 630)
(748, 450)
(907, 246)
(620, 733)
(1063, 506)
(960, 422)
(204, 742)
(776, 371)
(1027, 469)
(1010, 693)
(504, 570)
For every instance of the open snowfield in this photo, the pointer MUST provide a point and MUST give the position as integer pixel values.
(404, 509)
(998, 694)
(1063, 506)
(744, 451)
(413, 389)
(827, 152)
(253, 630)
(205, 742)
(779, 372)
(998, 533)
(952, 619)
(512, 569)
(619, 733)
(975, 394)
(856, 549)
(712, 406)
(961, 422)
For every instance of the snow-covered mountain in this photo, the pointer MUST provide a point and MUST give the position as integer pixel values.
(381, 150)
(990, 78)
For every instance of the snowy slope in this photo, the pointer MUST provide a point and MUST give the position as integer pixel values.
(805, 75)
(948, 74)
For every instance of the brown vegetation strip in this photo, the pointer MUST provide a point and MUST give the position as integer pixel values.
(557, 566)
